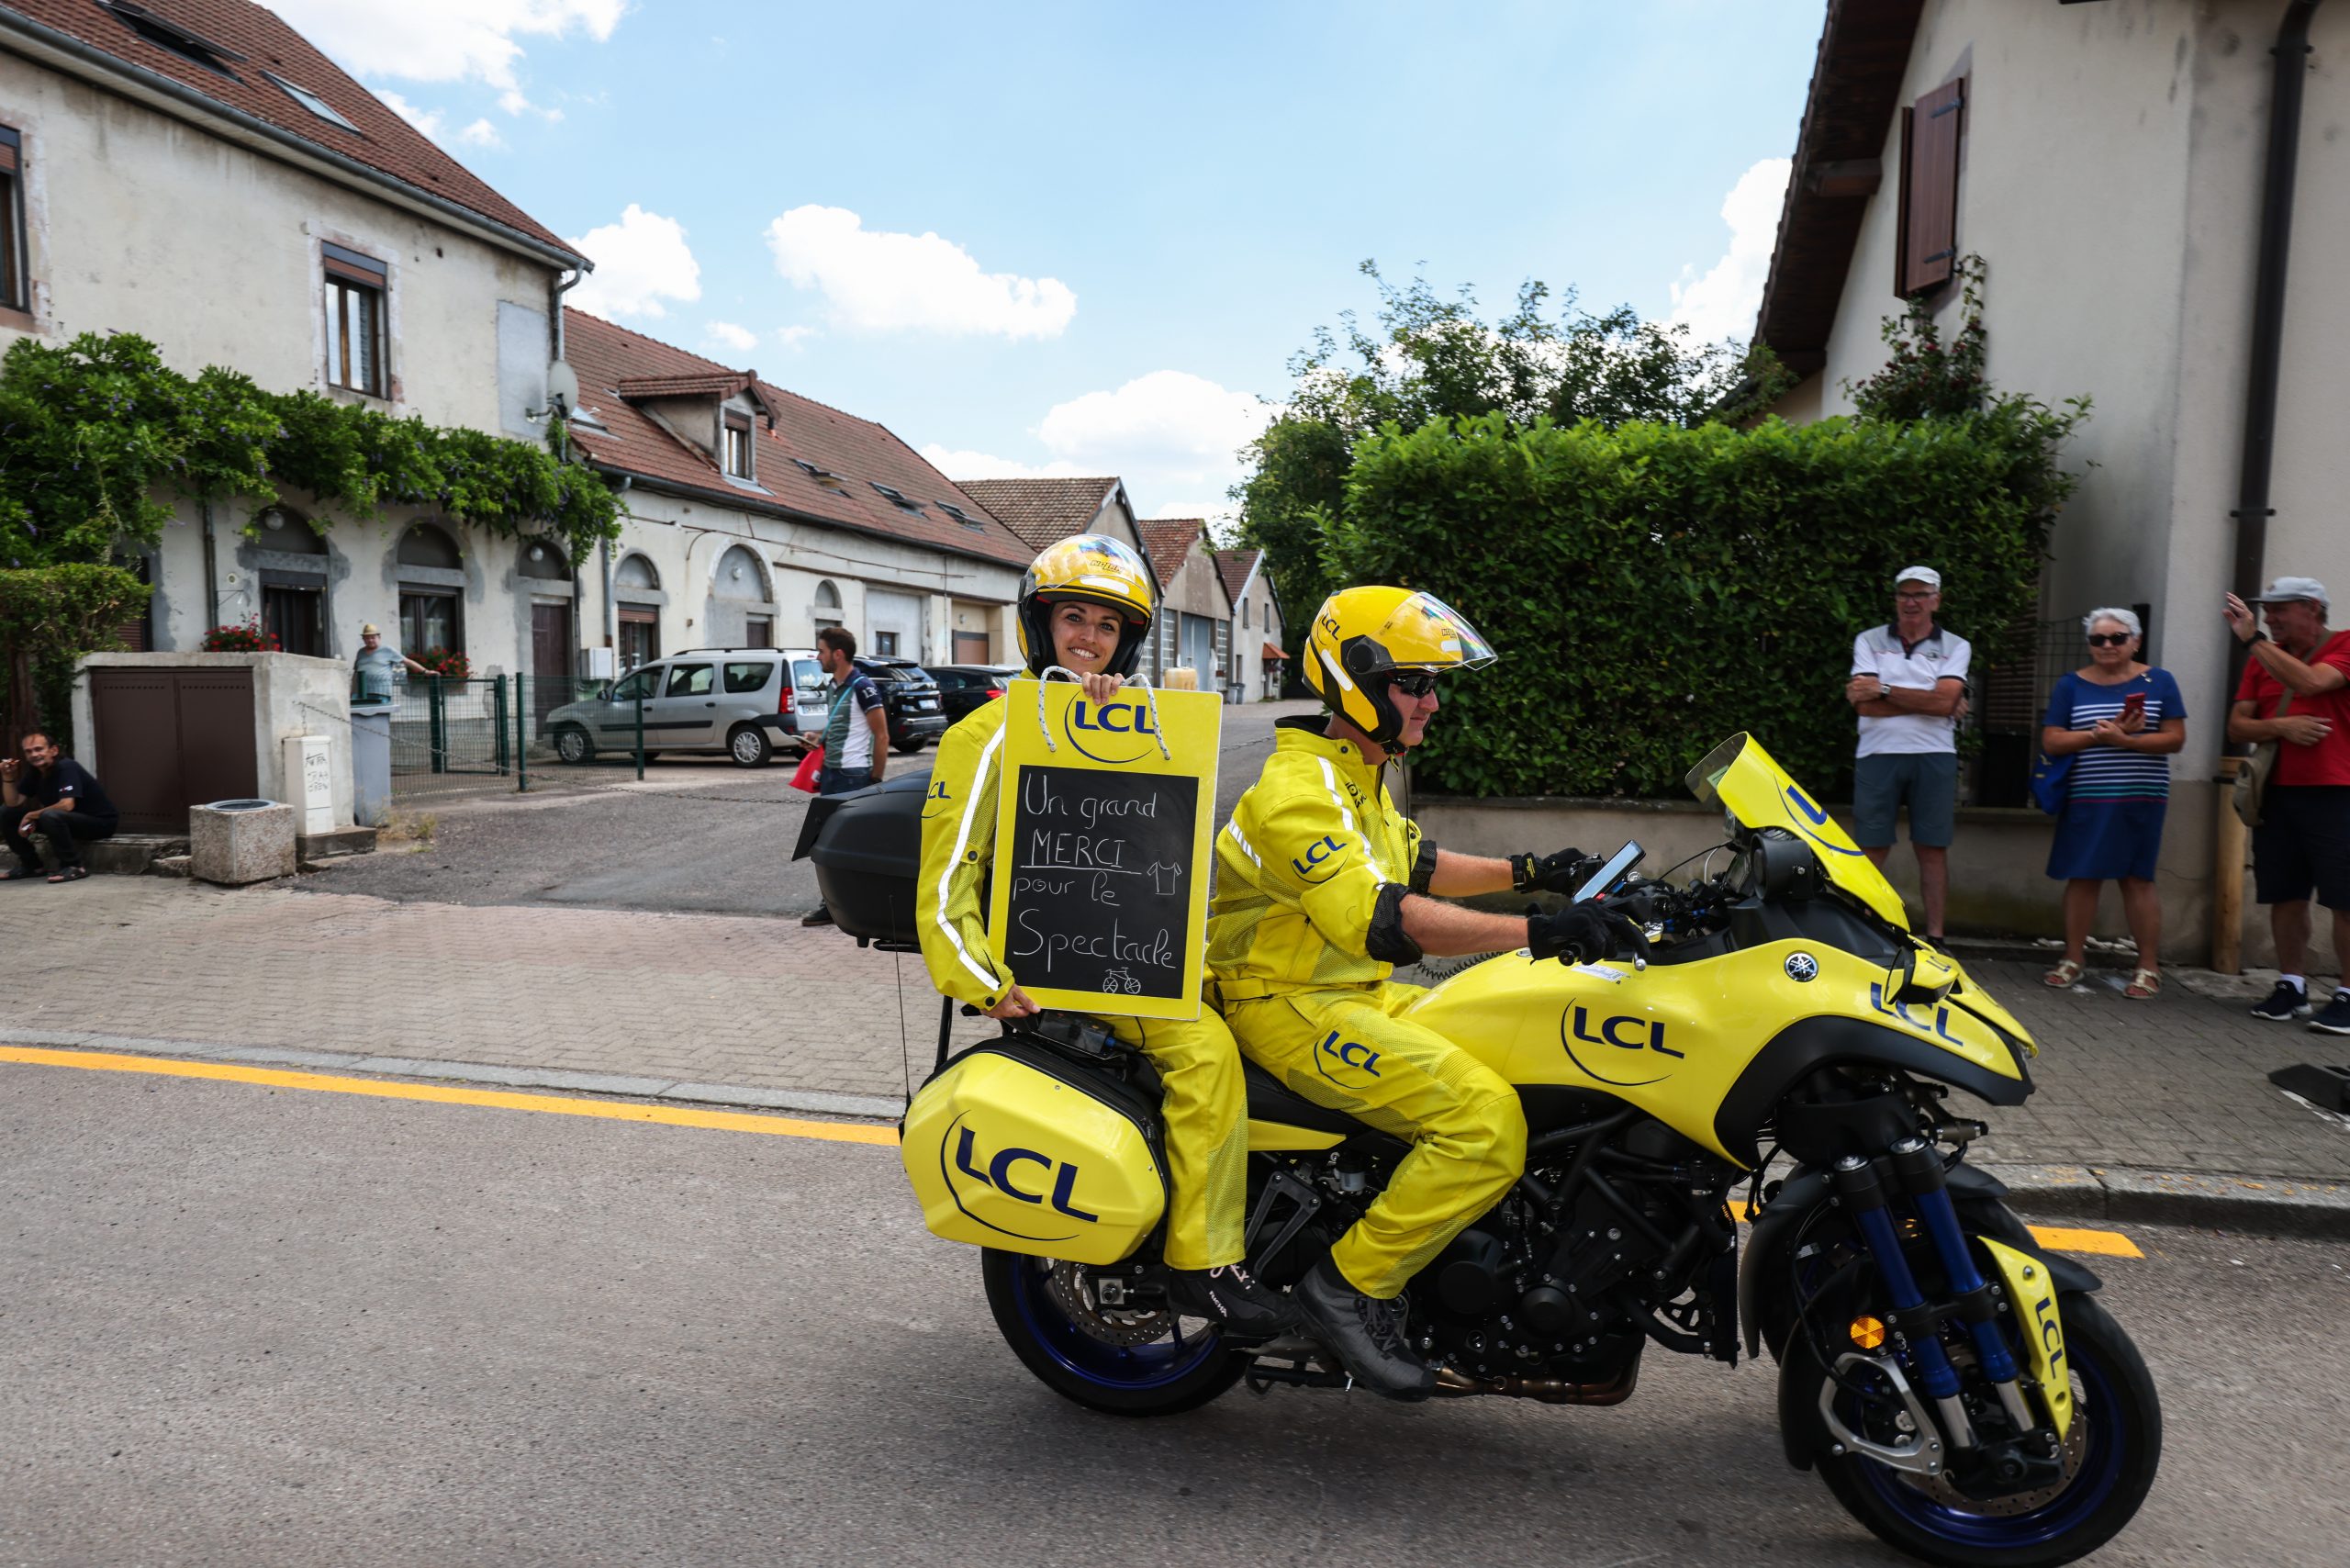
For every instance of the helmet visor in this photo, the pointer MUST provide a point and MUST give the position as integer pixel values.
(1424, 633)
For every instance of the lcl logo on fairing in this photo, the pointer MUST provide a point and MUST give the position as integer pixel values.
(1006, 1161)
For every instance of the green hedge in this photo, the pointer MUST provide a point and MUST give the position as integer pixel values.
(1653, 589)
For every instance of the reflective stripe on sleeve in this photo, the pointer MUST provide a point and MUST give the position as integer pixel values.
(1345, 816)
(954, 862)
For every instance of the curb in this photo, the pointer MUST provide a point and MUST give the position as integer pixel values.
(2260, 1205)
(852, 1107)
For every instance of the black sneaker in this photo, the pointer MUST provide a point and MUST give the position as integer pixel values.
(2284, 1003)
(1232, 1296)
(1365, 1334)
(820, 915)
(2336, 1019)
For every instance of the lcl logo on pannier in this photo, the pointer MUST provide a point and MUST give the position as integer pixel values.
(1008, 1160)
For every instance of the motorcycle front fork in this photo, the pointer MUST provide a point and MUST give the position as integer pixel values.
(1917, 1168)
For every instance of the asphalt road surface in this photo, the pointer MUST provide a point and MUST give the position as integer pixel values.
(254, 1325)
(698, 836)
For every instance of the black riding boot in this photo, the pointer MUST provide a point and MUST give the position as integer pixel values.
(1366, 1333)
(1232, 1296)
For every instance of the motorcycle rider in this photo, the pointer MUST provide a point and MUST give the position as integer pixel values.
(1321, 888)
(1085, 605)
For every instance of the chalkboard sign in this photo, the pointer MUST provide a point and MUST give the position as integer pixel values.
(1101, 862)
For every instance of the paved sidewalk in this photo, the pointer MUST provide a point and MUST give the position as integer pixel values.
(2146, 1109)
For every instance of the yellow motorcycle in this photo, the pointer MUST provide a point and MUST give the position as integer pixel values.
(1955, 1385)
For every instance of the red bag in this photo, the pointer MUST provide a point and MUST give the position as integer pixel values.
(804, 777)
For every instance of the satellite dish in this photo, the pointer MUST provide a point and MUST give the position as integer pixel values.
(563, 388)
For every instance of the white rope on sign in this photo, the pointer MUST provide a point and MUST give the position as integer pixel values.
(1133, 682)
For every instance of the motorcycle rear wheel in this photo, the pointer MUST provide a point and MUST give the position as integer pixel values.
(1102, 1360)
(2114, 1398)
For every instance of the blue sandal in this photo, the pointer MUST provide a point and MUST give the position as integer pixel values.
(69, 873)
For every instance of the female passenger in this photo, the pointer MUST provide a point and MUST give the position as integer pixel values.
(2119, 721)
(1086, 606)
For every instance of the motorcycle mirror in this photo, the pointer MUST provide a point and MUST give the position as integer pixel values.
(1911, 988)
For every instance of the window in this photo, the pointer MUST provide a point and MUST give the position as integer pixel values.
(309, 101)
(1927, 234)
(295, 616)
(897, 498)
(885, 645)
(643, 683)
(170, 36)
(640, 636)
(1244, 614)
(16, 283)
(688, 681)
(959, 515)
(425, 545)
(738, 446)
(823, 477)
(355, 290)
(428, 624)
(636, 572)
(750, 674)
(758, 632)
(544, 561)
(807, 674)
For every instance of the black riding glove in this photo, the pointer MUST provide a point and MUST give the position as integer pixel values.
(1584, 934)
(1560, 873)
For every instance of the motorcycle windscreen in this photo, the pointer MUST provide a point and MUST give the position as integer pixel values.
(1002, 1155)
(1742, 777)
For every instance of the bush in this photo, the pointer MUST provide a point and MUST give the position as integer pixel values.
(1654, 588)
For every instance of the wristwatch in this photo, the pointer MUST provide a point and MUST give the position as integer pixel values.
(2256, 638)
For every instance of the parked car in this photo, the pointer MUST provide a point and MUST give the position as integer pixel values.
(911, 697)
(738, 702)
(962, 688)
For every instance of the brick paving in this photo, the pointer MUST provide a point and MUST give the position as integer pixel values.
(2175, 1084)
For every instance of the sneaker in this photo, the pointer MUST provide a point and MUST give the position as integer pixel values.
(1366, 1334)
(1232, 1296)
(820, 915)
(2336, 1019)
(2284, 1003)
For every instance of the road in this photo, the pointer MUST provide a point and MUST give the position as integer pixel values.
(698, 836)
(259, 1325)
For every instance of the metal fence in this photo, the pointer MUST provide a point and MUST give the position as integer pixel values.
(453, 737)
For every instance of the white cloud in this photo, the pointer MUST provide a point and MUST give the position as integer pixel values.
(959, 465)
(1722, 304)
(1171, 424)
(444, 40)
(792, 337)
(641, 261)
(429, 121)
(877, 281)
(727, 335)
(481, 133)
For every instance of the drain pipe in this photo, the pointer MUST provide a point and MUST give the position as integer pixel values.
(211, 575)
(2252, 509)
(611, 610)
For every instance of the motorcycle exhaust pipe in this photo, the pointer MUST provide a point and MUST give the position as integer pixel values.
(1919, 1167)
(1549, 1390)
(1864, 1198)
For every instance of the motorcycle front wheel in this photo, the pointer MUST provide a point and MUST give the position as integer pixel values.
(1121, 1360)
(2111, 1453)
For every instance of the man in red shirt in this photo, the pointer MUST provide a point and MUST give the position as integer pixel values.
(2303, 844)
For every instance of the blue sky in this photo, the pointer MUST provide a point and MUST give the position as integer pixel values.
(1087, 237)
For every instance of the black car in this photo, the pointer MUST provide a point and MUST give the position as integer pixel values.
(966, 687)
(911, 697)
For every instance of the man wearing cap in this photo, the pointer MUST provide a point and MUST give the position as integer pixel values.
(2296, 691)
(378, 667)
(1908, 686)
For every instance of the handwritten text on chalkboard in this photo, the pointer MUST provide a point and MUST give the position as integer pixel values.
(1102, 880)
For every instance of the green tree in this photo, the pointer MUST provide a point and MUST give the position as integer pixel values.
(1432, 358)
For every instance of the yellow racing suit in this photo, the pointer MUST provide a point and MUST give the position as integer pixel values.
(1207, 1104)
(1304, 930)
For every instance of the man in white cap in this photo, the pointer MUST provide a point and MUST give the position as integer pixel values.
(1908, 686)
(2296, 691)
(378, 667)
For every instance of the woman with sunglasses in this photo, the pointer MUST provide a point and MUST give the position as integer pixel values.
(2119, 721)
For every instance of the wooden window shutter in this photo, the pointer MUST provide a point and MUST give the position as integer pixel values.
(352, 267)
(1928, 218)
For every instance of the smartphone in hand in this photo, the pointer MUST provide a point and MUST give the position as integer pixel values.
(2134, 708)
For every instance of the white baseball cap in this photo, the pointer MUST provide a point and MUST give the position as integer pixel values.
(2285, 590)
(1926, 575)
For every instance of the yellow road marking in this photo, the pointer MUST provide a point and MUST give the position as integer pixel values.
(2105, 1243)
(561, 1105)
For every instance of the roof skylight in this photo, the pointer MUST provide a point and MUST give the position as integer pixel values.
(169, 35)
(897, 498)
(309, 101)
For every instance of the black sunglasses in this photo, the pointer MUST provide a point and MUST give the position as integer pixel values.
(2108, 639)
(1413, 682)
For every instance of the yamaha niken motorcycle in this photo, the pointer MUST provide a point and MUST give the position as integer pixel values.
(1956, 1385)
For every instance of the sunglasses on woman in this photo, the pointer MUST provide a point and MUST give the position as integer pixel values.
(2108, 639)
(1413, 682)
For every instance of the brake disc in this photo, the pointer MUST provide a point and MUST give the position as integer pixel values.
(1071, 1285)
(1939, 1487)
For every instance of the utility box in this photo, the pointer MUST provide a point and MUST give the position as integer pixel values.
(371, 763)
(310, 779)
(236, 841)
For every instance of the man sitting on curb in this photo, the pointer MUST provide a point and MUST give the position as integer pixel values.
(51, 794)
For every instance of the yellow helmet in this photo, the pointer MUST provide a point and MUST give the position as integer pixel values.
(1097, 569)
(1362, 635)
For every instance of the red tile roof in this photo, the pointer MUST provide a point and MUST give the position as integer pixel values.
(717, 384)
(1168, 540)
(383, 141)
(1041, 510)
(1234, 566)
(859, 452)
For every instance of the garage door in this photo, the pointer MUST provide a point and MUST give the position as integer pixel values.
(893, 623)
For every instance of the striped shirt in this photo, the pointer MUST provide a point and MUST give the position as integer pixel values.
(2110, 772)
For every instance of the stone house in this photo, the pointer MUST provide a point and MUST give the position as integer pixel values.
(1259, 659)
(756, 516)
(200, 176)
(1195, 613)
(2126, 170)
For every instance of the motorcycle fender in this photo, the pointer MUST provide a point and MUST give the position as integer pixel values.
(1774, 1227)
(2032, 1291)
(1978, 1199)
